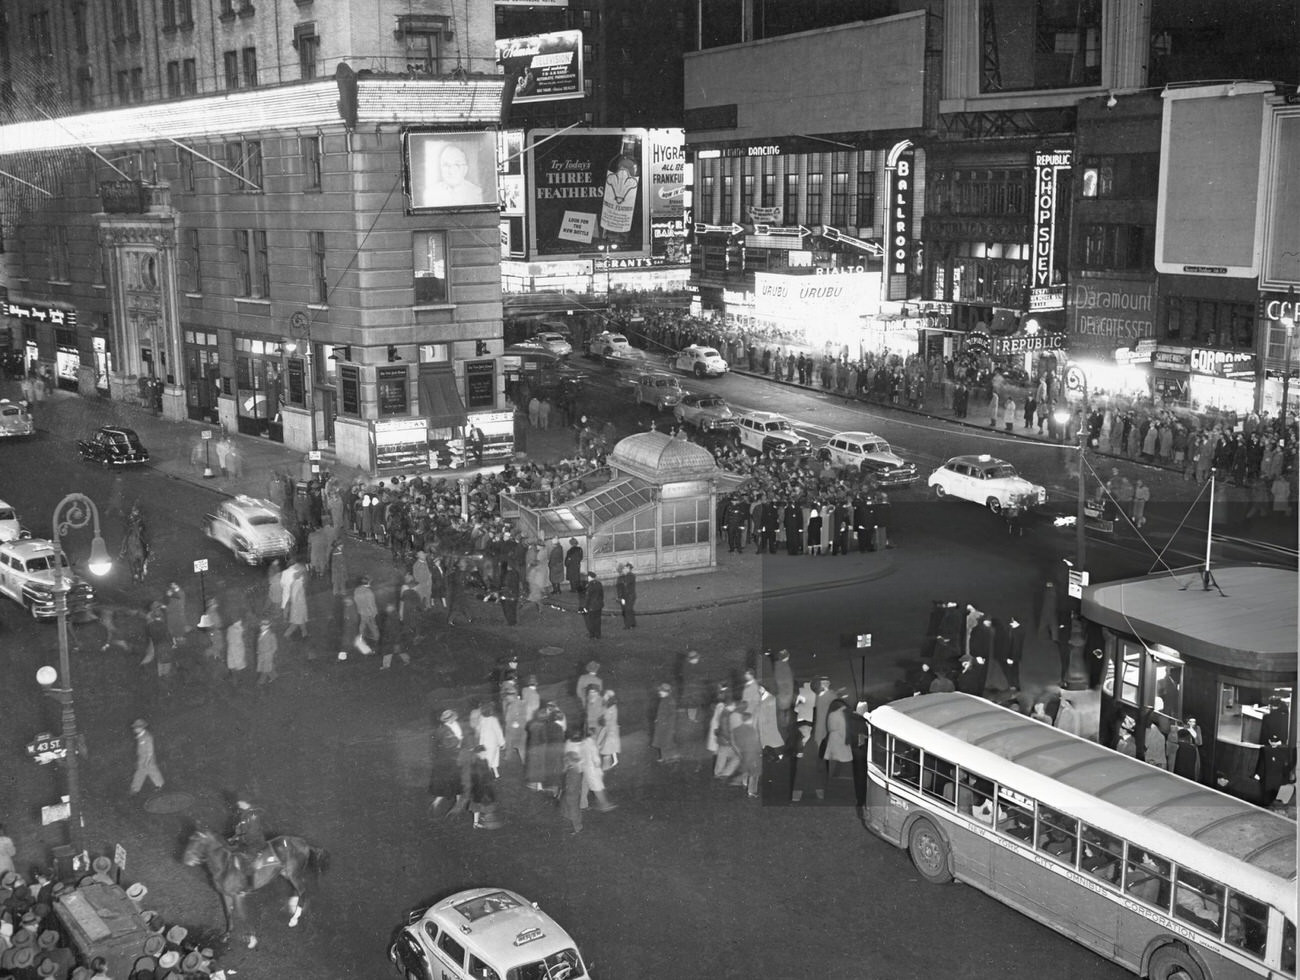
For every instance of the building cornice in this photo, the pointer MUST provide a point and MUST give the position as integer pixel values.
(473, 102)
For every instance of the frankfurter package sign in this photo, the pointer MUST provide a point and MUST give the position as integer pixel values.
(589, 193)
(543, 67)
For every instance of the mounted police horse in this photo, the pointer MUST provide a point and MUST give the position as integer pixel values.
(135, 550)
(234, 874)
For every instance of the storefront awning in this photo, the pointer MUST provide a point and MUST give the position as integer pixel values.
(440, 402)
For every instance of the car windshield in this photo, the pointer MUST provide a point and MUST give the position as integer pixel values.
(564, 965)
(875, 447)
(261, 520)
(709, 352)
(780, 425)
(7, 514)
(1003, 471)
(711, 403)
(43, 563)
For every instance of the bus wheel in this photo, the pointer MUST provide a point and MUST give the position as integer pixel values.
(929, 852)
(1173, 962)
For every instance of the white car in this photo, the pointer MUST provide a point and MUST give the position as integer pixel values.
(14, 420)
(704, 412)
(27, 577)
(660, 391)
(613, 348)
(556, 343)
(765, 432)
(985, 480)
(703, 362)
(870, 454)
(251, 529)
(11, 529)
(485, 933)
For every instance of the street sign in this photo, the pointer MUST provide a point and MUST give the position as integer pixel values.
(1078, 579)
(313, 455)
(205, 434)
(46, 748)
(200, 566)
(56, 812)
(119, 856)
(732, 229)
(864, 641)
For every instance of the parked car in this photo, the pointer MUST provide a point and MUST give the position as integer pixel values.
(869, 454)
(11, 528)
(113, 445)
(15, 423)
(251, 529)
(613, 349)
(485, 933)
(555, 342)
(985, 480)
(766, 432)
(703, 362)
(27, 577)
(660, 391)
(704, 412)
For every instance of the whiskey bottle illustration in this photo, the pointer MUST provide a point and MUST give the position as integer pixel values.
(622, 179)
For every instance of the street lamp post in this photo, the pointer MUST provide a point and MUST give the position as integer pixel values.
(301, 324)
(76, 510)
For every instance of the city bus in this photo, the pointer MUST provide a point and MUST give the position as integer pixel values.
(1169, 878)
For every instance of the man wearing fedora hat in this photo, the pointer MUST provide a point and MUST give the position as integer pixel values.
(444, 779)
(593, 605)
(146, 761)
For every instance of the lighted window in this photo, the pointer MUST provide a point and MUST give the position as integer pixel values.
(320, 281)
(429, 259)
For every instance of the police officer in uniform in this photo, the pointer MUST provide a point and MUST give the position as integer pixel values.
(737, 513)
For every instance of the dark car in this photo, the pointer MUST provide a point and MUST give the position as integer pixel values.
(113, 446)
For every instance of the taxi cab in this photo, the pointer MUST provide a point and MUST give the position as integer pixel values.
(703, 362)
(985, 480)
(250, 528)
(11, 529)
(14, 420)
(485, 934)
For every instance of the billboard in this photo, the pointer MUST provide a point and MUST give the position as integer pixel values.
(666, 172)
(510, 171)
(1282, 233)
(587, 192)
(450, 170)
(1212, 184)
(545, 67)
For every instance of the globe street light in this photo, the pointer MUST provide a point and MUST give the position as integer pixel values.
(76, 510)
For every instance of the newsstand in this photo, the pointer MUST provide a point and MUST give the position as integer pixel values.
(100, 920)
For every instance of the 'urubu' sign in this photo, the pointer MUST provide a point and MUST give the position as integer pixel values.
(1047, 167)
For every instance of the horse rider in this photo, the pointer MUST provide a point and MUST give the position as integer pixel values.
(249, 835)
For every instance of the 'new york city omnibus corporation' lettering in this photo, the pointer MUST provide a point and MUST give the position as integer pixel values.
(1112, 313)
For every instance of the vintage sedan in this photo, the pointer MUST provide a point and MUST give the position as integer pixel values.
(113, 445)
(707, 413)
(770, 434)
(660, 391)
(703, 362)
(11, 529)
(614, 349)
(15, 423)
(485, 933)
(251, 529)
(870, 455)
(27, 576)
(985, 480)
(555, 342)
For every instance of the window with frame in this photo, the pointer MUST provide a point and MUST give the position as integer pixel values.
(244, 261)
(1015, 815)
(349, 389)
(227, 9)
(1123, 175)
(193, 262)
(1058, 834)
(429, 258)
(173, 79)
(1101, 855)
(132, 10)
(85, 87)
(791, 208)
(769, 190)
(905, 763)
(1198, 901)
(816, 193)
(636, 533)
(311, 162)
(1247, 925)
(707, 185)
(747, 190)
(840, 199)
(422, 51)
(295, 376)
(261, 264)
(117, 20)
(1210, 323)
(79, 35)
(728, 197)
(190, 76)
(938, 778)
(250, 67)
(185, 13)
(244, 157)
(185, 163)
(124, 87)
(686, 522)
(230, 62)
(451, 949)
(60, 263)
(866, 198)
(137, 85)
(1117, 246)
(1147, 877)
(979, 191)
(320, 282)
(480, 970)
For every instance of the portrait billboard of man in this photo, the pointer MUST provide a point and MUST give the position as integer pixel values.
(451, 170)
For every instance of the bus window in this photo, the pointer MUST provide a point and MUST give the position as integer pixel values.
(879, 747)
(1102, 855)
(937, 777)
(1015, 815)
(971, 794)
(1146, 877)
(1058, 835)
(906, 768)
(1199, 900)
(1247, 924)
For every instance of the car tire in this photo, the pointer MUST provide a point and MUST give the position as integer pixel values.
(699, 370)
(994, 505)
(939, 491)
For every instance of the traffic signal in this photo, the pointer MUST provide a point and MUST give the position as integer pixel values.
(392, 353)
(480, 348)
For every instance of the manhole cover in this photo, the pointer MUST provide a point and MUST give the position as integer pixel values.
(168, 802)
(551, 651)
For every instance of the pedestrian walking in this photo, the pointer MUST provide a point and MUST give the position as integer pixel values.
(593, 773)
(295, 596)
(783, 681)
(236, 653)
(593, 604)
(178, 621)
(571, 794)
(626, 591)
(491, 737)
(267, 647)
(609, 737)
(444, 775)
(691, 685)
(367, 615)
(338, 570)
(146, 758)
(665, 725)
(510, 589)
(1141, 494)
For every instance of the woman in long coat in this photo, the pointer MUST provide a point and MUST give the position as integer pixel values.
(491, 737)
(297, 606)
(609, 738)
(665, 736)
(555, 567)
(814, 532)
(537, 731)
(837, 744)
